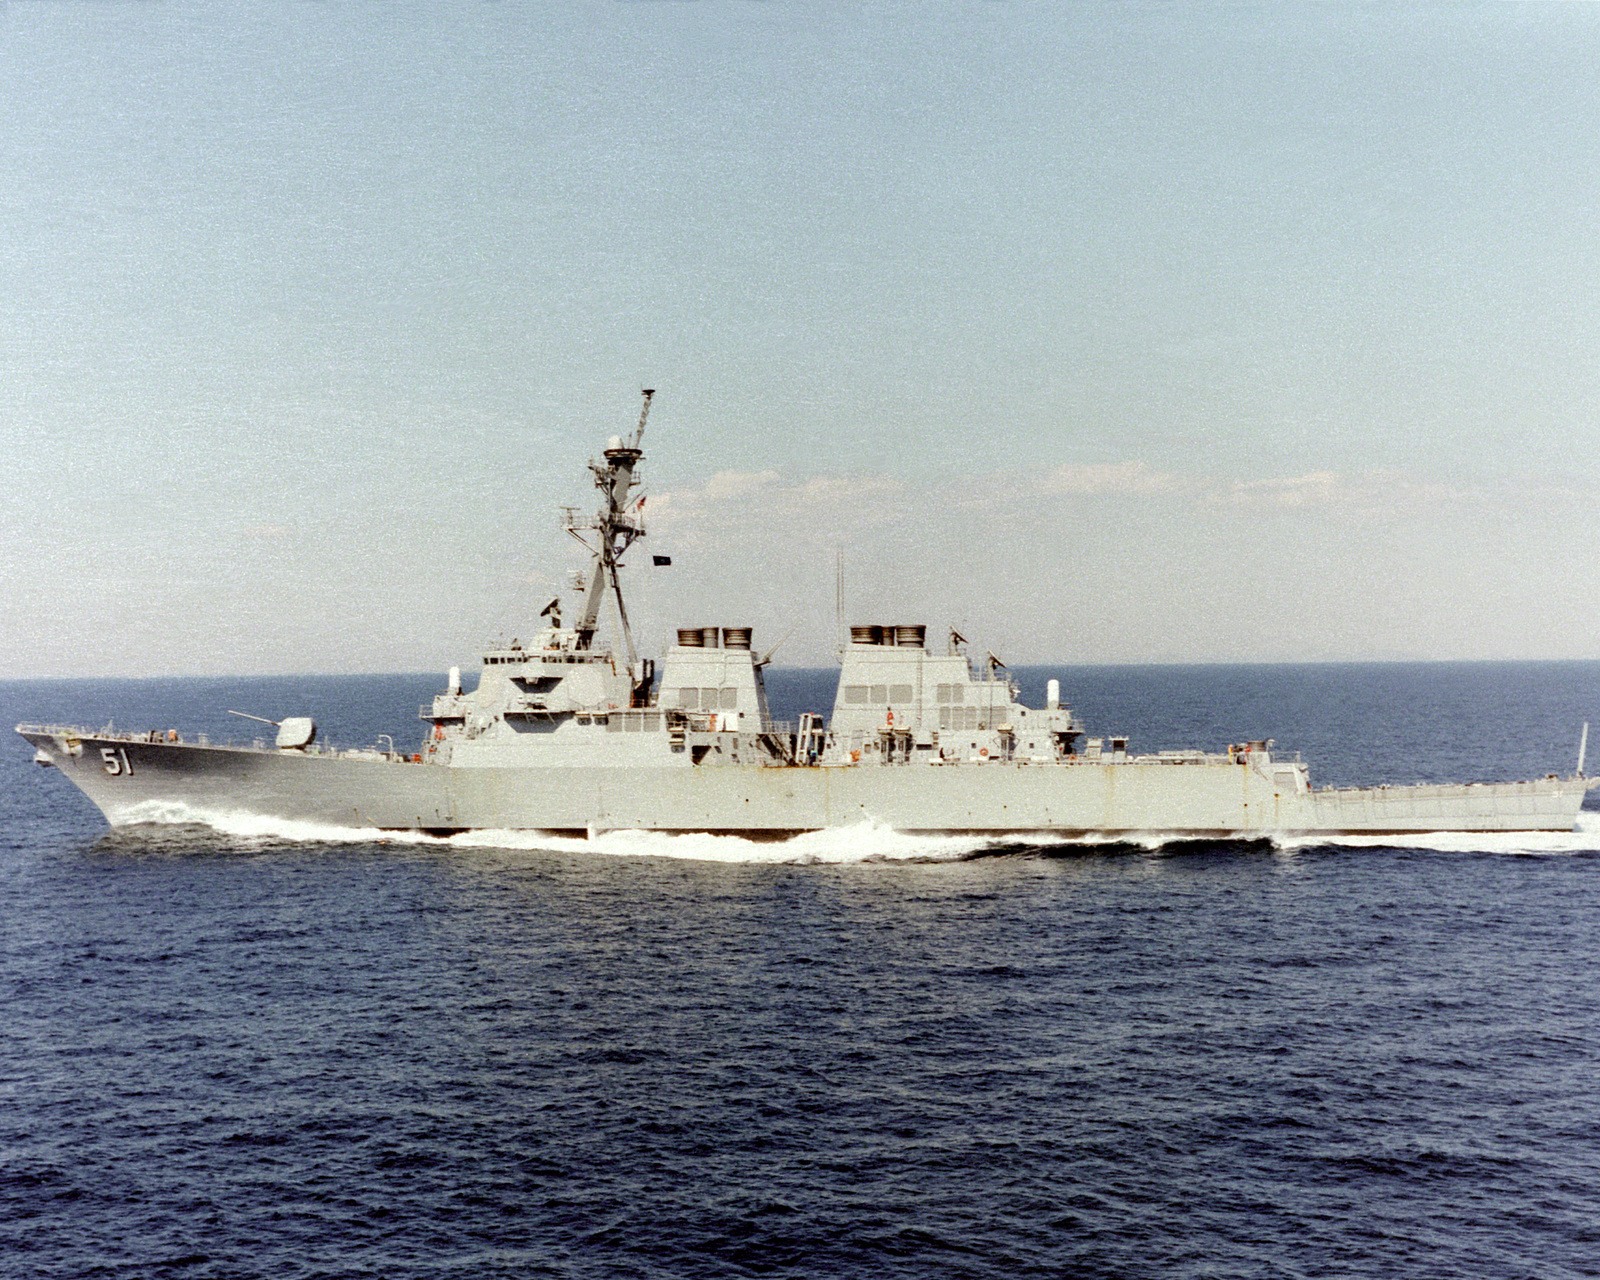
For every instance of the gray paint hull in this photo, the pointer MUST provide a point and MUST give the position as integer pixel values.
(158, 781)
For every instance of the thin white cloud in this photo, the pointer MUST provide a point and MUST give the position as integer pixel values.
(1315, 488)
(734, 494)
(730, 486)
(1111, 478)
(268, 532)
(1369, 491)
(843, 503)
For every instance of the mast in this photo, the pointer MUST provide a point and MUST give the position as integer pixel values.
(615, 528)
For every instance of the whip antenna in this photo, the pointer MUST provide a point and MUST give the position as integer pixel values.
(838, 596)
(644, 412)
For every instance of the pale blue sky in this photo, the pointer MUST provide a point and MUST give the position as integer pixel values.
(1111, 332)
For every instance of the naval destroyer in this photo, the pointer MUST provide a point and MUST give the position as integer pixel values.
(574, 732)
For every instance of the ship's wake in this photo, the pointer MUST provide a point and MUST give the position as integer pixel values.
(1584, 839)
(861, 842)
(247, 828)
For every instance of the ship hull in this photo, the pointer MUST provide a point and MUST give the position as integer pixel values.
(135, 780)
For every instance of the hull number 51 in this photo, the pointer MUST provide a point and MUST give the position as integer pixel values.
(116, 759)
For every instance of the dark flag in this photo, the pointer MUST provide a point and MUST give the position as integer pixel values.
(660, 559)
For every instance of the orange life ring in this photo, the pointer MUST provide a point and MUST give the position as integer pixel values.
(891, 715)
(984, 752)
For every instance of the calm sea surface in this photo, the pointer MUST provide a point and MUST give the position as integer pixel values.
(856, 1055)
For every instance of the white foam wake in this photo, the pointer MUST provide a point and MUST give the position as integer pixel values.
(1585, 839)
(245, 826)
(865, 841)
(861, 842)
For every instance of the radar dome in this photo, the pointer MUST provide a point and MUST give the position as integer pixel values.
(296, 733)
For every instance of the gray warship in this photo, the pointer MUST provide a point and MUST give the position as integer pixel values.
(574, 733)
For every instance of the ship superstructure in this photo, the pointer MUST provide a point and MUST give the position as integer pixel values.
(572, 731)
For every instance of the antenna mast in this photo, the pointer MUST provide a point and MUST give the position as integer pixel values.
(838, 597)
(615, 527)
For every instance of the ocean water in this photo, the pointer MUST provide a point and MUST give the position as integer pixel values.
(857, 1054)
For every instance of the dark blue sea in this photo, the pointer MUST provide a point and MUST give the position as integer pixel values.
(857, 1055)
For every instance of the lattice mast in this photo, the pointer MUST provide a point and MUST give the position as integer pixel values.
(614, 528)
